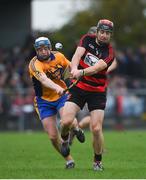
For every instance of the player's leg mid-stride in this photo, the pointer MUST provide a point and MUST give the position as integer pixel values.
(75, 132)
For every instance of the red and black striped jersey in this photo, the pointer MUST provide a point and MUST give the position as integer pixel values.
(94, 52)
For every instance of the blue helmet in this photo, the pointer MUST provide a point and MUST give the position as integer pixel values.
(42, 41)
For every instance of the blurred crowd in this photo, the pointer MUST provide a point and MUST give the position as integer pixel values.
(127, 90)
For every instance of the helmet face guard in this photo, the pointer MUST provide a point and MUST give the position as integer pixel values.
(105, 25)
(42, 41)
(39, 42)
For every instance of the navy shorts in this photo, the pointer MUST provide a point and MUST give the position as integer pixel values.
(94, 100)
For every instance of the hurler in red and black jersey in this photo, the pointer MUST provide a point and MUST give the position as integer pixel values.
(89, 64)
(93, 54)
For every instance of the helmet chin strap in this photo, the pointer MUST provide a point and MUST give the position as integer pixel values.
(41, 58)
(49, 57)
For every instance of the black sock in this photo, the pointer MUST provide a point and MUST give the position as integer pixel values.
(65, 137)
(97, 157)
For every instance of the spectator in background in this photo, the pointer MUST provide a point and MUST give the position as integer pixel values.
(5, 103)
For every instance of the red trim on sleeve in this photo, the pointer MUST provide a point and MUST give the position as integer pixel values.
(110, 56)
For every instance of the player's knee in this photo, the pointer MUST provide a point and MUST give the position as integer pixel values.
(67, 122)
(96, 130)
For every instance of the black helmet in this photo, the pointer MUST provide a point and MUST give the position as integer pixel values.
(106, 25)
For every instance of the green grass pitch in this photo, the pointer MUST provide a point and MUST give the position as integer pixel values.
(31, 156)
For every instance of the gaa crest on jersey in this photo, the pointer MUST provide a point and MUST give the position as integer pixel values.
(90, 59)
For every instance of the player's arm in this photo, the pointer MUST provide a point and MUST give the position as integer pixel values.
(36, 70)
(101, 65)
(75, 62)
(49, 83)
(113, 66)
(76, 57)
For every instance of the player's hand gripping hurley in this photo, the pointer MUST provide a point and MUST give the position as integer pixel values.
(67, 75)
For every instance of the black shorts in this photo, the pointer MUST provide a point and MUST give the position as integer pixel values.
(94, 100)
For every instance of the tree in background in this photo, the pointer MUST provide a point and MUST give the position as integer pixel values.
(129, 17)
